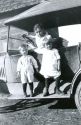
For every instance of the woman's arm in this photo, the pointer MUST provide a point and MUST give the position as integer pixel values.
(39, 51)
(58, 63)
(29, 40)
(58, 59)
(28, 36)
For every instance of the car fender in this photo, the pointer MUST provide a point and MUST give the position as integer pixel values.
(75, 81)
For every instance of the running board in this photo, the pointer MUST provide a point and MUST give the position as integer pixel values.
(54, 96)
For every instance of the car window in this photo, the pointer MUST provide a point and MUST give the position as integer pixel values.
(14, 43)
(15, 38)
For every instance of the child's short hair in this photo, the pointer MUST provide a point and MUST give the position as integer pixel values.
(22, 46)
(40, 26)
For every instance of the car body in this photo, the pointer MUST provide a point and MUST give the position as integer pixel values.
(70, 56)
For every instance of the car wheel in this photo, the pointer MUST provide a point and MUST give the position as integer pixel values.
(78, 97)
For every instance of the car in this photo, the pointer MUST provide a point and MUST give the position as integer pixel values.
(70, 82)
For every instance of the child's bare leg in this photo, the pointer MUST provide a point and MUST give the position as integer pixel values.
(31, 89)
(24, 89)
(46, 92)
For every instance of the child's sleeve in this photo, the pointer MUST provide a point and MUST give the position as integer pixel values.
(34, 62)
(57, 54)
(18, 65)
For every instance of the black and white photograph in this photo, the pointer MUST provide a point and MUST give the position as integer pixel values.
(40, 62)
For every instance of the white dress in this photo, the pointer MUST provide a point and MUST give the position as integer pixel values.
(49, 66)
(25, 67)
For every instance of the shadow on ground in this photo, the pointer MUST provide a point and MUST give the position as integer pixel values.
(51, 104)
(64, 104)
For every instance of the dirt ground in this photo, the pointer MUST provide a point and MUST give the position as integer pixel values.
(39, 112)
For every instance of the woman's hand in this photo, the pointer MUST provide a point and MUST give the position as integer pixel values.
(58, 65)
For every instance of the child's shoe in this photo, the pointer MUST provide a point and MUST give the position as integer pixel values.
(31, 94)
(58, 91)
(46, 94)
(25, 94)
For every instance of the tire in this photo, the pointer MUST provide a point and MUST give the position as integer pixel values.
(78, 97)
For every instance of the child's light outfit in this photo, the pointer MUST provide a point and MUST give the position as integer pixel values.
(26, 66)
(40, 41)
(49, 66)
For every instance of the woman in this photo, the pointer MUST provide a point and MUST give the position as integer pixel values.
(41, 37)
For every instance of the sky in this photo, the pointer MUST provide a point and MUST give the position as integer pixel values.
(71, 33)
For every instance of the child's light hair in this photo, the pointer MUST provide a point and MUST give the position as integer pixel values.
(50, 41)
(24, 46)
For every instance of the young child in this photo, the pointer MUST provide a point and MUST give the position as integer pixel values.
(41, 36)
(25, 69)
(50, 67)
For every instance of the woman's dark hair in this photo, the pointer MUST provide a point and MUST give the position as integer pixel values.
(40, 26)
(22, 46)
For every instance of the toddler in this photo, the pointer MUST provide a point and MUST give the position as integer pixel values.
(25, 69)
(50, 67)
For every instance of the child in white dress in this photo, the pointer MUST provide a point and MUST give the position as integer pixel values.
(25, 69)
(50, 66)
